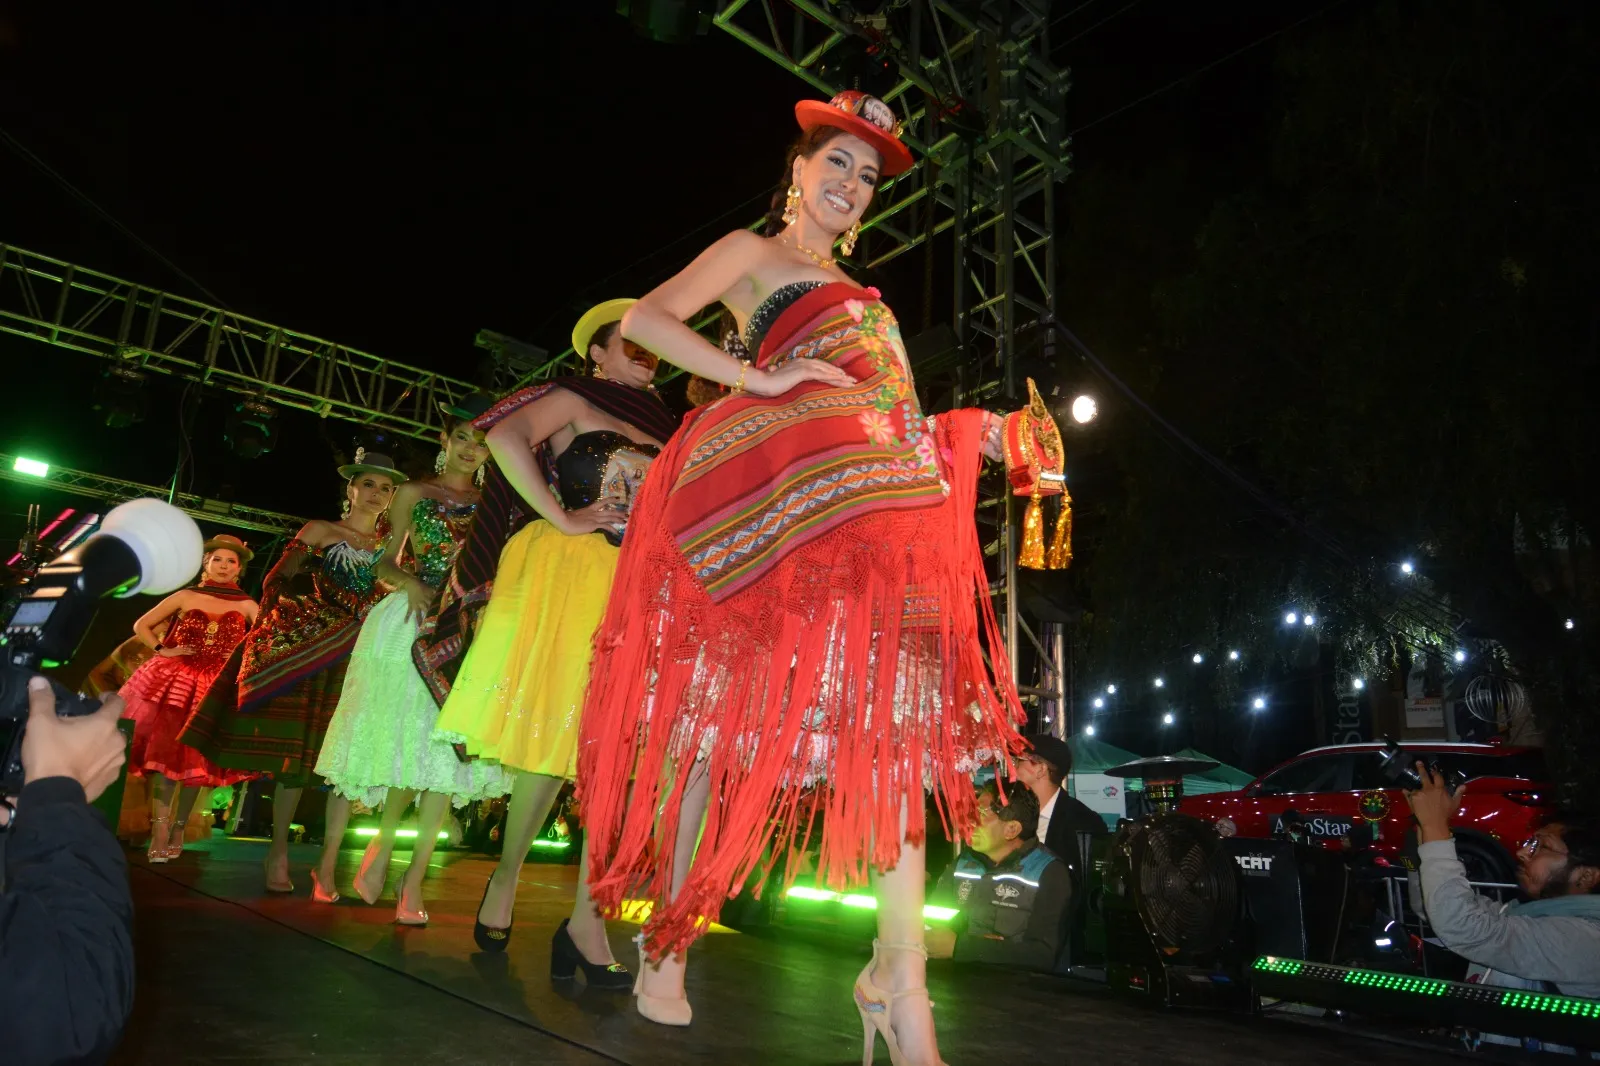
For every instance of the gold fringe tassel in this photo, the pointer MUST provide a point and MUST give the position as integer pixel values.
(1060, 556)
(1032, 556)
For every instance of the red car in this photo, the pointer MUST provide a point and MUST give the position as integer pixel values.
(1336, 790)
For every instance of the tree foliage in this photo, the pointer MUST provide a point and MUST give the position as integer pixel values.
(1385, 331)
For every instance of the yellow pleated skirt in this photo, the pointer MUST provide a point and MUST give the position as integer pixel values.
(519, 692)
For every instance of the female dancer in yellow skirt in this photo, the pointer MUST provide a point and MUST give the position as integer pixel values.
(574, 451)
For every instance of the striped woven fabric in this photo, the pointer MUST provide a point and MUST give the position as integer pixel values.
(764, 476)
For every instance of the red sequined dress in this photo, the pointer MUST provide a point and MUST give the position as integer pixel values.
(164, 691)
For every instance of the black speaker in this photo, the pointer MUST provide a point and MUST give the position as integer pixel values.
(1294, 896)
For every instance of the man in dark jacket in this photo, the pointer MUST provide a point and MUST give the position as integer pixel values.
(66, 915)
(1011, 891)
(1061, 817)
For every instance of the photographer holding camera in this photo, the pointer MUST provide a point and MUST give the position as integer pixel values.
(66, 915)
(1548, 941)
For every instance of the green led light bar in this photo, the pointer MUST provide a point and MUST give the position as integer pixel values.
(1421, 986)
(372, 831)
(861, 902)
(31, 467)
(1578, 1008)
(553, 845)
(1276, 965)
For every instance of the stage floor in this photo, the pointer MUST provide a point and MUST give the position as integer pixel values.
(228, 973)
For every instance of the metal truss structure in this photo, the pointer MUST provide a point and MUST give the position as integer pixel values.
(144, 329)
(984, 109)
(114, 491)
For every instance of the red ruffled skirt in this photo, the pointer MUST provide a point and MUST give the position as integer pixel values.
(825, 697)
(159, 698)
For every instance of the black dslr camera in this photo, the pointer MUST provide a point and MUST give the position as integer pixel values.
(142, 546)
(1399, 767)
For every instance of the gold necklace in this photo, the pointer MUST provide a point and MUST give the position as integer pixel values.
(825, 262)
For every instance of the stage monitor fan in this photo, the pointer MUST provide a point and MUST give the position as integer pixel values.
(1188, 893)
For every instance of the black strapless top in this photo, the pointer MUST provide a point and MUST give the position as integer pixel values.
(602, 464)
(767, 311)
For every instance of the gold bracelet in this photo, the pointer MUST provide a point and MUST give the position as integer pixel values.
(738, 386)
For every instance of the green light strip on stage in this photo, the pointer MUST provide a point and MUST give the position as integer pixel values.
(1582, 1008)
(372, 831)
(866, 903)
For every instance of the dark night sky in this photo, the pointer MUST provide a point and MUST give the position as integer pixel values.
(399, 182)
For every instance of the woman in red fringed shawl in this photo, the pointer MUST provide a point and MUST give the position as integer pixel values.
(801, 599)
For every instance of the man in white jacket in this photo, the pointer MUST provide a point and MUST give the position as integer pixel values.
(1548, 941)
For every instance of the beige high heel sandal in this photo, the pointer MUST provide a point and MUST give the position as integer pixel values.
(875, 1003)
(659, 1009)
(160, 834)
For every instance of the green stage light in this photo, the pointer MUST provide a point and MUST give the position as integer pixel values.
(31, 467)
(553, 845)
(862, 902)
(372, 831)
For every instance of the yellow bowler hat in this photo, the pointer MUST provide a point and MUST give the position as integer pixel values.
(599, 315)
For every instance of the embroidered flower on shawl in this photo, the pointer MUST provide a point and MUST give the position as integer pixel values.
(928, 452)
(879, 429)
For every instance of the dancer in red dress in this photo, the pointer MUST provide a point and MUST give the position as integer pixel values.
(207, 622)
(801, 599)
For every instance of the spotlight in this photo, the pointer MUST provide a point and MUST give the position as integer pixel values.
(250, 431)
(1290, 619)
(1359, 684)
(1084, 409)
(1088, 730)
(1461, 656)
(1198, 658)
(37, 468)
(1310, 619)
(1570, 623)
(1161, 683)
(120, 394)
(1233, 656)
(1407, 568)
(1099, 703)
(1111, 690)
(1168, 719)
(1259, 704)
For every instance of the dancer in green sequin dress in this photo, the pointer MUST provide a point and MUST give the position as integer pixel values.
(379, 747)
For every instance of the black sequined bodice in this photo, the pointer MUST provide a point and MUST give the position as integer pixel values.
(767, 311)
(601, 463)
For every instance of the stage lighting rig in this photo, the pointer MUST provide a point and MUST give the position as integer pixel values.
(250, 430)
(120, 394)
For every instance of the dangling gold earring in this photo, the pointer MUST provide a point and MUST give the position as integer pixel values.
(345, 512)
(438, 462)
(851, 235)
(483, 472)
(791, 206)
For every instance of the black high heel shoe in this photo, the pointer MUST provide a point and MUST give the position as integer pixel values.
(489, 939)
(566, 959)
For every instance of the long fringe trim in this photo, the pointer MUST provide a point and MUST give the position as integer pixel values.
(858, 661)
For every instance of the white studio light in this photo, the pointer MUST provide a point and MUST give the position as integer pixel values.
(1198, 658)
(1088, 730)
(1111, 690)
(1310, 619)
(1359, 684)
(1099, 703)
(1084, 410)
(1407, 568)
(1290, 619)
(1260, 704)
(1161, 683)
(1461, 656)
(1571, 624)
(1233, 656)
(1167, 719)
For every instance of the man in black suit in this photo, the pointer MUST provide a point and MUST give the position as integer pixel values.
(1061, 817)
